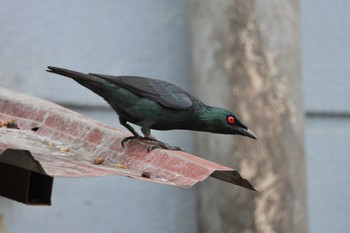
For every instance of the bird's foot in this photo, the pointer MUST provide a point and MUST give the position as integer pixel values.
(159, 144)
(163, 145)
(137, 137)
(131, 138)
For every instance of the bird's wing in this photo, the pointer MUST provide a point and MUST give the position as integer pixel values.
(164, 93)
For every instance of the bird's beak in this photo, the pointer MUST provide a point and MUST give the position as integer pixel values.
(247, 132)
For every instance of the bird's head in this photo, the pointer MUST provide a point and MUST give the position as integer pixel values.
(219, 120)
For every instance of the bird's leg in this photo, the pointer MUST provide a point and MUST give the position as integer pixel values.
(147, 136)
(160, 144)
(145, 130)
(131, 129)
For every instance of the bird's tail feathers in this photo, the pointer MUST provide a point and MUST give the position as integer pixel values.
(91, 82)
(70, 73)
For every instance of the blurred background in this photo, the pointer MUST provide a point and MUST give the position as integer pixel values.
(281, 66)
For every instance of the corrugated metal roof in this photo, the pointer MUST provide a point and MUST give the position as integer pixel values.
(65, 143)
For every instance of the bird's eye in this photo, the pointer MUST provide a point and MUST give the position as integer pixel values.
(231, 119)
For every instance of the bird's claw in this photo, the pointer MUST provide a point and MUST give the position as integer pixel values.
(138, 138)
(130, 138)
(163, 145)
(159, 145)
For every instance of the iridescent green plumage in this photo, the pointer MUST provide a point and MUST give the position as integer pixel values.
(156, 104)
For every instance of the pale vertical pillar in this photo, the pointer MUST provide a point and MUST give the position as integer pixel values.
(246, 57)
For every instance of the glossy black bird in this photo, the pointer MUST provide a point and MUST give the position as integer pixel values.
(156, 104)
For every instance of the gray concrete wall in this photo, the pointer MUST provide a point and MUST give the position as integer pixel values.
(326, 56)
(146, 37)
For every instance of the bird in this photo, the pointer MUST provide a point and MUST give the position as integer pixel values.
(155, 104)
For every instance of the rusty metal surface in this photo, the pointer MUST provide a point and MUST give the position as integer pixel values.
(68, 144)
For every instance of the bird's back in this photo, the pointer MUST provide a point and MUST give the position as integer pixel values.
(162, 92)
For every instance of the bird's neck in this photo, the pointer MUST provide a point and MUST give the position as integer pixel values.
(207, 118)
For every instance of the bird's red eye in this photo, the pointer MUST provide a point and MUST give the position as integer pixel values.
(231, 119)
